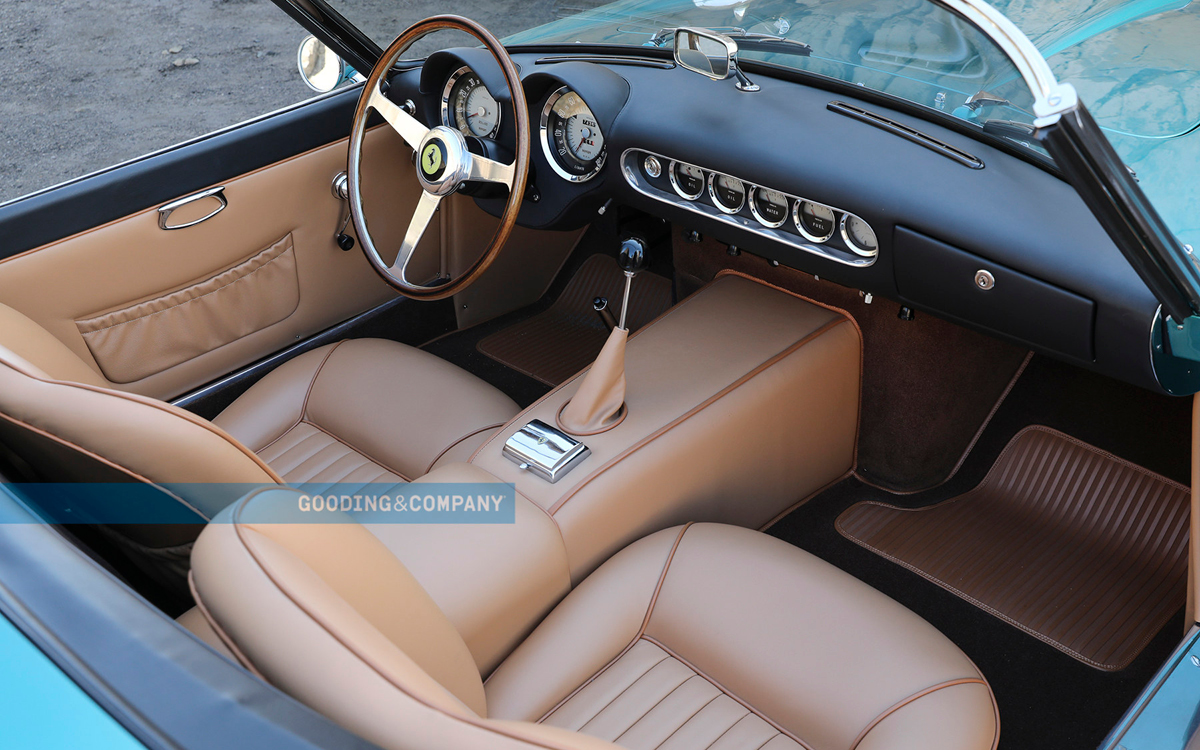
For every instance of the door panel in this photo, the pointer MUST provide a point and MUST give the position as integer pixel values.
(131, 263)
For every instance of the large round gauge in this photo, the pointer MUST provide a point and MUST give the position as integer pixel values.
(468, 106)
(687, 180)
(815, 221)
(859, 236)
(571, 137)
(729, 193)
(770, 207)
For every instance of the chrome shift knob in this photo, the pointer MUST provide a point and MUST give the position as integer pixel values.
(633, 256)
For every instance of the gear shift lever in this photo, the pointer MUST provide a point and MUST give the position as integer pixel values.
(632, 261)
(599, 404)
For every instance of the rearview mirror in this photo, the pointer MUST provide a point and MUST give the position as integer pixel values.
(320, 67)
(710, 54)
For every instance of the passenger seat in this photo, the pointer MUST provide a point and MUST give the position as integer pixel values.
(702, 636)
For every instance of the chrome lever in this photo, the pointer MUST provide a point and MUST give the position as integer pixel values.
(165, 211)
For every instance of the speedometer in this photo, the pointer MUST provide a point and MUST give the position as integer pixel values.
(468, 106)
(571, 137)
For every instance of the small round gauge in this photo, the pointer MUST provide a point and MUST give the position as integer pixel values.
(571, 137)
(687, 180)
(468, 106)
(729, 193)
(815, 221)
(859, 236)
(770, 207)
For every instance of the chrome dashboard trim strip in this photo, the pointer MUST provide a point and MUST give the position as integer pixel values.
(632, 176)
(964, 158)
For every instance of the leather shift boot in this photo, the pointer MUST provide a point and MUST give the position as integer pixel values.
(596, 406)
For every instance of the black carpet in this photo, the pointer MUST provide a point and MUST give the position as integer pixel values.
(1046, 698)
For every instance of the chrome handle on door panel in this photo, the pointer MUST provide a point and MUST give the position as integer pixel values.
(165, 211)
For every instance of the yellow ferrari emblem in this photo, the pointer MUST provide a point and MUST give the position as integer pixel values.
(431, 159)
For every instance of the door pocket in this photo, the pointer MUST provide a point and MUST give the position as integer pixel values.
(148, 337)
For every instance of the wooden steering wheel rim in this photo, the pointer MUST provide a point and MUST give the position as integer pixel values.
(520, 165)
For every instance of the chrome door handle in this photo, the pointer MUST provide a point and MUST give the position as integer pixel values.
(165, 211)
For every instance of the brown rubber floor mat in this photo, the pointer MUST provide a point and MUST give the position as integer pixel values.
(1075, 546)
(565, 338)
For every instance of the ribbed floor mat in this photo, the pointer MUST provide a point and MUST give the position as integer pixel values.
(562, 340)
(1071, 544)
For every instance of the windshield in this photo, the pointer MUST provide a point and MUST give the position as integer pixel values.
(1134, 64)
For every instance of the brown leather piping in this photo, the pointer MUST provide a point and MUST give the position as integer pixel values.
(970, 446)
(840, 311)
(475, 721)
(580, 374)
(153, 210)
(966, 597)
(919, 694)
(221, 634)
(637, 636)
(138, 399)
(307, 392)
(105, 461)
(621, 414)
(722, 688)
(364, 454)
(697, 409)
(468, 436)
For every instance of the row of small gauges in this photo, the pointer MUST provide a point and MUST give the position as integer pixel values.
(816, 222)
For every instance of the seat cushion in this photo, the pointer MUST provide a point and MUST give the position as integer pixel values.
(365, 410)
(716, 636)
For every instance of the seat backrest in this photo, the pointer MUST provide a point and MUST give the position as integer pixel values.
(328, 614)
(61, 422)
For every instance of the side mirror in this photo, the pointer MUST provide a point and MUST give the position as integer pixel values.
(710, 54)
(320, 67)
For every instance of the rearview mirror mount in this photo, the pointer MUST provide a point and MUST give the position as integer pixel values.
(710, 54)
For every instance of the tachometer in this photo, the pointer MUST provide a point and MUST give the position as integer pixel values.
(770, 207)
(859, 236)
(729, 193)
(468, 106)
(815, 221)
(571, 137)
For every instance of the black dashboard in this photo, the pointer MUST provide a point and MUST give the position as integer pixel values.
(832, 182)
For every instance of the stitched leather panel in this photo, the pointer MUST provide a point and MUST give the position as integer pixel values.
(648, 699)
(305, 453)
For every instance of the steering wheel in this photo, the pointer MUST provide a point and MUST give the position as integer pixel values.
(443, 161)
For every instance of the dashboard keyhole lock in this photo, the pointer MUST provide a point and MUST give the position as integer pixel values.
(985, 280)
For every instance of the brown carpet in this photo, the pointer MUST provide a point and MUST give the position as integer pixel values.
(1075, 546)
(566, 337)
(928, 385)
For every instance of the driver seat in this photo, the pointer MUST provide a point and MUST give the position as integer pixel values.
(359, 411)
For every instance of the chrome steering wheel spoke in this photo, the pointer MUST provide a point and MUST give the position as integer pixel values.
(426, 208)
(410, 128)
(483, 169)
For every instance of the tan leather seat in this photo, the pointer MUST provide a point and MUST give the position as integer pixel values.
(363, 410)
(701, 636)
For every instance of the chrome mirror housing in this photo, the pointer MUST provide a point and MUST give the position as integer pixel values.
(320, 67)
(710, 54)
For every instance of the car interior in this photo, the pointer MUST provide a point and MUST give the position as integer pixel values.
(830, 424)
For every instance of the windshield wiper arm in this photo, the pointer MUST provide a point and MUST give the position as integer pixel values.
(746, 40)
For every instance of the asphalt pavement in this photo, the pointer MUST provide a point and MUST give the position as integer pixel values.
(90, 83)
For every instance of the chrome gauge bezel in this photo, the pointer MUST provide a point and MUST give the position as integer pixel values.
(679, 188)
(712, 192)
(447, 116)
(753, 191)
(548, 149)
(850, 243)
(804, 232)
(786, 235)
